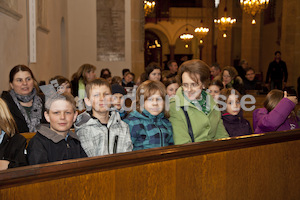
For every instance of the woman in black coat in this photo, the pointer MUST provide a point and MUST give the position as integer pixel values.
(24, 103)
(12, 144)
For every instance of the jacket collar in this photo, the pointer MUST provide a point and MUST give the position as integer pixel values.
(85, 117)
(52, 135)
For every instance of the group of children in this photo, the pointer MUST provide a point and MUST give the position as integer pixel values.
(106, 128)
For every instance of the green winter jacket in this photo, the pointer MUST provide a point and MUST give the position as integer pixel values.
(205, 127)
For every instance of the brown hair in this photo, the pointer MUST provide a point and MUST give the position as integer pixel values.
(226, 92)
(273, 98)
(194, 68)
(60, 80)
(150, 68)
(116, 79)
(232, 72)
(64, 96)
(147, 89)
(85, 68)
(218, 83)
(97, 82)
(22, 68)
(7, 122)
(229, 91)
(170, 81)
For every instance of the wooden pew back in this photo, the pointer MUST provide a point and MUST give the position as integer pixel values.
(264, 166)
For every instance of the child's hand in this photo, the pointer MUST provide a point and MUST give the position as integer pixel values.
(292, 98)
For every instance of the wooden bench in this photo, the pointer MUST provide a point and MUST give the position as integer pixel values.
(262, 166)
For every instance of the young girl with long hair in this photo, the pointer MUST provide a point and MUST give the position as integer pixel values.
(12, 144)
(278, 113)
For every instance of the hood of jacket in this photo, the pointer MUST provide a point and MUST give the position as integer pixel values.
(85, 119)
(145, 115)
(52, 135)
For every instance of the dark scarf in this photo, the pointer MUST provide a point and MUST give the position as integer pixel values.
(36, 109)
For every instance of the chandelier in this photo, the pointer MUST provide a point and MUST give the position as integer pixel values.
(201, 32)
(254, 7)
(186, 37)
(148, 7)
(225, 23)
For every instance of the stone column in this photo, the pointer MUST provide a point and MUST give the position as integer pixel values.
(172, 52)
(137, 37)
(250, 44)
(290, 39)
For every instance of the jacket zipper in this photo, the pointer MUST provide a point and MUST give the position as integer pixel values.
(108, 140)
(161, 136)
(115, 144)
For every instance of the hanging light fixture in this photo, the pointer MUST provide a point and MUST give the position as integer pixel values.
(149, 6)
(201, 31)
(225, 23)
(254, 7)
(186, 37)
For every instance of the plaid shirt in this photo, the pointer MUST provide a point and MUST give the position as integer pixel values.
(148, 131)
(97, 139)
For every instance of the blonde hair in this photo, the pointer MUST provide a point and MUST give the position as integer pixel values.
(64, 96)
(147, 89)
(7, 122)
(85, 68)
(97, 82)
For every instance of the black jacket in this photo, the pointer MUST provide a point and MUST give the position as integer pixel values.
(12, 149)
(47, 146)
(236, 125)
(16, 113)
(277, 71)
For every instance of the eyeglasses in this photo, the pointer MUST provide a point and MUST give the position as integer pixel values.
(191, 85)
(226, 76)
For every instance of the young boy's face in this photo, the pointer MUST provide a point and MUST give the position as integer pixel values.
(118, 101)
(61, 116)
(233, 105)
(99, 99)
(154, 104)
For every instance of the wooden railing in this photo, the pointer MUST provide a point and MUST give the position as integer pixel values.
(263, 166)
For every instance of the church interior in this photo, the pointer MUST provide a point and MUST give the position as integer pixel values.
(67, 35)
(56, 37)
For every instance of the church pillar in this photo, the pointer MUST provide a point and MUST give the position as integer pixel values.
(290, 39)
(250, 44)
(172, 52)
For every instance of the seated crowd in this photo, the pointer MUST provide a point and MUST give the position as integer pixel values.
(194, 103)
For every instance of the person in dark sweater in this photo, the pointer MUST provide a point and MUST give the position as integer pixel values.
(232, 114)
(57, 142)
(277, 72)
(251, 82)
(12, 144)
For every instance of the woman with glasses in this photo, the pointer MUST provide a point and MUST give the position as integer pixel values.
(193, 112)
(230, 79)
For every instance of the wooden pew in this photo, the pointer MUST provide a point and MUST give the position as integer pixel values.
(263, 166)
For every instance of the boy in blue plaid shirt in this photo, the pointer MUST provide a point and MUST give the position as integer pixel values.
(148, 123)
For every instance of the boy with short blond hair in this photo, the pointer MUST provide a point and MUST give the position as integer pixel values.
(101, 130)
(57, 142)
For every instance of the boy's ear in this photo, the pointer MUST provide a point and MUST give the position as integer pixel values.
(87, 101)
(75, 116)
(47, 116)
